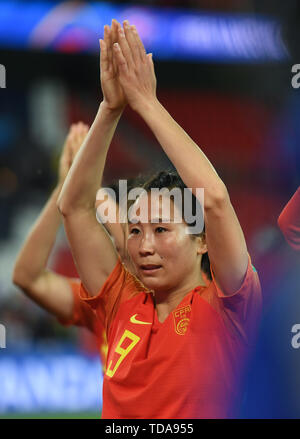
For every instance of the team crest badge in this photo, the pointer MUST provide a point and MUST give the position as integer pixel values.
(182, 319)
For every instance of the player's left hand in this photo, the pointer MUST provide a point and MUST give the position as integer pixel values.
(112, 91)
(135, 67)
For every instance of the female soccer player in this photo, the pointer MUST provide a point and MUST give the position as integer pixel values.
(289, 221)
(176, 348)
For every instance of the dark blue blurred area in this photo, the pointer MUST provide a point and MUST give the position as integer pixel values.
(172, 33)
(273, 381)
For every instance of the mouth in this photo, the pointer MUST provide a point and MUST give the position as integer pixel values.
(149, 268)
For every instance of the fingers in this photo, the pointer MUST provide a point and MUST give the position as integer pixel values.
(80, 130)
(104, 63)
(134, 44)
(129, 41)
(77, 137)
(150, 60)
(114, 38)
(115, 25)
(108, 42)
(120, 59)
(73, 142)
(77, 133)
(138, 42)
(125, 48)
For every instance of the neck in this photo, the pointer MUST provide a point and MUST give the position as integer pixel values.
(166, 301)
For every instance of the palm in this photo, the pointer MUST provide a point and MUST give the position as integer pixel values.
(73, 142)
(111, 88)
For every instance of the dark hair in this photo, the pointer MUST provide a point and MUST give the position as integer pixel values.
(171, 179)
(131, 183)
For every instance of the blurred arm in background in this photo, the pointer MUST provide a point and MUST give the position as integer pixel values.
(289, 221)
(51, 291)
(92, 249)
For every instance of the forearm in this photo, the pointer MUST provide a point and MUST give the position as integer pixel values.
(85, 176)
(191, 163)
(33, 257)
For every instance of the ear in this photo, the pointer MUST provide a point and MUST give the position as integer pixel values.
(201, 244)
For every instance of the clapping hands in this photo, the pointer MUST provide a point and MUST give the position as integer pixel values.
(127, 71)
(73, 142)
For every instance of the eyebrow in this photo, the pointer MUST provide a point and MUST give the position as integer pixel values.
(153, 221)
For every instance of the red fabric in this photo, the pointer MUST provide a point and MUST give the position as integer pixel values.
(189, 366)
(84, 316)
(289, 221)
(63, 264)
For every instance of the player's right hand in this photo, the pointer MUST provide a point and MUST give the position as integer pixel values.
(135, 68)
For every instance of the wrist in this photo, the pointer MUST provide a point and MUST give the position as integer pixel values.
(147, 107)
(111, 111)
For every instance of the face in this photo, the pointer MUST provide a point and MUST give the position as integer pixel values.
(166, 258)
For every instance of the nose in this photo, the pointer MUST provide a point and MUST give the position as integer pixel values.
(147, 245)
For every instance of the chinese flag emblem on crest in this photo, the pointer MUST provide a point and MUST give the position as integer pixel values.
(181, 319)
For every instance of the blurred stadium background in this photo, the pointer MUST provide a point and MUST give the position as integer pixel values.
(224, 73)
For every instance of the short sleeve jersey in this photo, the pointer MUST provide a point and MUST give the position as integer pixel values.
(289, 221)
(83, 315)
(189, 366)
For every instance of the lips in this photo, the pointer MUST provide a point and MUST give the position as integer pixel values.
(149, 267)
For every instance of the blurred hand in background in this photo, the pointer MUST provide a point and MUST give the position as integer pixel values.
(74, 140)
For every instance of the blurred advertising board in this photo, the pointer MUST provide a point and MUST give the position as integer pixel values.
(50, 381)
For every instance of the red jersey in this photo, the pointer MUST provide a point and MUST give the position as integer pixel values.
(84, 316)
(189, 366)
(289, 221)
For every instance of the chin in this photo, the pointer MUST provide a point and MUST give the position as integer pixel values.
(154, 284)
(150, 283)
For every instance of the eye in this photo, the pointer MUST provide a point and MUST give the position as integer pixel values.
(160, 229)
(134, 231)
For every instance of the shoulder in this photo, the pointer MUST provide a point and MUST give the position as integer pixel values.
(289, 221)
(241, 310)
(250, 285)
(120, 283)
(243, 304)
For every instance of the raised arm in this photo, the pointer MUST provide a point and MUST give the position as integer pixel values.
(225, 240)
(48, 289)
(289, 221)
(92, 249)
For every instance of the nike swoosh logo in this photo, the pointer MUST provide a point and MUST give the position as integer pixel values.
(139, 322)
